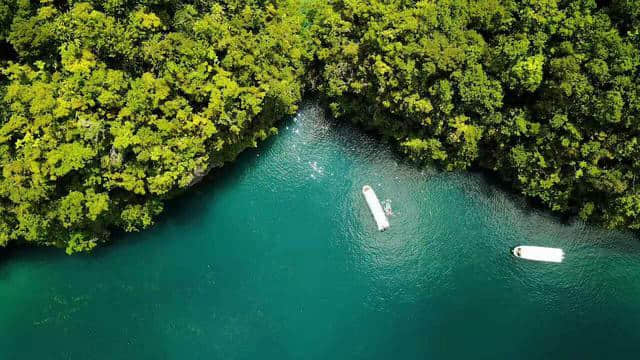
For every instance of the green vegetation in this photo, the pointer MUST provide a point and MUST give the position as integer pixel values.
(546, 93)
(109, 107)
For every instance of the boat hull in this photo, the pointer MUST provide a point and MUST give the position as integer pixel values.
(376, 208)
(538, 253)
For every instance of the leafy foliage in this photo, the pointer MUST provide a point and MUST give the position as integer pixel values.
(543, 92)
(111, 106)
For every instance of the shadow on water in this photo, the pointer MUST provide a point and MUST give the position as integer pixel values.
(216, 181)
(24, 253)
(216, 278)
(530, 206)
(219, 179)
(489, 182)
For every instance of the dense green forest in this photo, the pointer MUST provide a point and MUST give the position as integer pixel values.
(107, 108)
(110, 106)
(545, 93)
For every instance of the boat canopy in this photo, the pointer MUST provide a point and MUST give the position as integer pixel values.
(538, 253)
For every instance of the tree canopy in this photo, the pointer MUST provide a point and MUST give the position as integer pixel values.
(110, 106)
(107, 108)
(544, 93)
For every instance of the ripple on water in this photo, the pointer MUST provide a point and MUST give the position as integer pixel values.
(280, 258)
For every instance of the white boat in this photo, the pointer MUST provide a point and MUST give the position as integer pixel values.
(375, 207)
(538, 253)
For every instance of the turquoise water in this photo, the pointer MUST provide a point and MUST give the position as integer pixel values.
(279, 258)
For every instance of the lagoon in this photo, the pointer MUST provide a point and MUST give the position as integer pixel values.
(277, 256)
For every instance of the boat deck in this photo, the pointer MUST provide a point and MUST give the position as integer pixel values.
(376, 208)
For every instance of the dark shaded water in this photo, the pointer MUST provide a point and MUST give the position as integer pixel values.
(278, 258)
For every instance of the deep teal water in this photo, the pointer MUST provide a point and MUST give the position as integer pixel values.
(278, 258)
